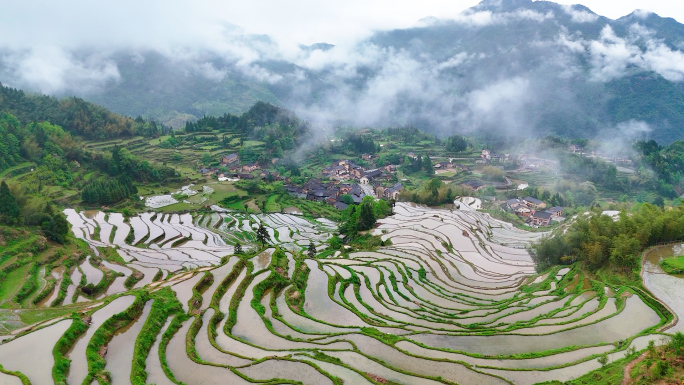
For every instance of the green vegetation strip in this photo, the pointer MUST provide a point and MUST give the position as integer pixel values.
(165, 304)
(196, 301)
(22, 377)
(62, 347)
(103, 335)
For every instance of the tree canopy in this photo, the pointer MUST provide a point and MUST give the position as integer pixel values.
(597, 239)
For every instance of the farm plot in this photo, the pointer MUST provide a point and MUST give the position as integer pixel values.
(454, 299)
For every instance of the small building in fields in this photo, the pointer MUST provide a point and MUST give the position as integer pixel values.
(230, 159)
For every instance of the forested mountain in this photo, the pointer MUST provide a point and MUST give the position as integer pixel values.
(73, 114)
(519, 67)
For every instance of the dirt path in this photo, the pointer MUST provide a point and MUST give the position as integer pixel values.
(628, 369)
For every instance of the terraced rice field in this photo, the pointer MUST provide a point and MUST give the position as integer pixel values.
(453, 298)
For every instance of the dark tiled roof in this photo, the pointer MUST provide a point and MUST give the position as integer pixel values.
(542, 215)
(533, 200)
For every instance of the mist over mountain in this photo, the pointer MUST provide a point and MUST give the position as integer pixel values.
(515, 67)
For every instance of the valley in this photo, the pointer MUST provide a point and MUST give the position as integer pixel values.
(414, 193)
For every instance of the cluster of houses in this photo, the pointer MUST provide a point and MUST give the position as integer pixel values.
(489, 157)
(576, 149)
(333, 191)
(348, 170)
(237, 170)
(532, 211)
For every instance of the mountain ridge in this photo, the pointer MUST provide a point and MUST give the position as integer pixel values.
(513, 67)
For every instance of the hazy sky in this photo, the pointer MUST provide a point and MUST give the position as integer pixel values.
(75, 23)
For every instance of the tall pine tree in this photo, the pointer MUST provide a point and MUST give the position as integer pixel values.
(311, 251)
(262, 234)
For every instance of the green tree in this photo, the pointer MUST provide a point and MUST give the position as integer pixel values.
(238, 248)
(428, 167)
(311, 251)
(456, 143)
(346, 198)
(9, 209)
(206, 158)
(434, 186)
(366, 217)
(625, 251)
(56, 228)
(262, 234)
(603, 359)
(677, 343)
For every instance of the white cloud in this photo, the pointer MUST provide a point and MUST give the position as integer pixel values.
(640, 31)
(51, 69)
(483, 18)
(668, 63)
(455, 61)
(580, 15)
(612, 57)
(210, 72)
(641, 13)
(501, 103)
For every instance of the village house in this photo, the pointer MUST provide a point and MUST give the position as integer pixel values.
(208, 171)
(356, 171)
(250, 167)
(523, 211)
(485, 155)
(345, 188)
(519, 207)
(443, 165)
(498, 158)
(556, 211)
(619, 160)
(312, 184)
(295, 191)
(229, 159)
(393, 192)
(541, 218)
(366, 156)
(575, 149)
(534, 203)
(412, 155)
(340, 205)
(321, 194)
(372, 174)
(357, 193)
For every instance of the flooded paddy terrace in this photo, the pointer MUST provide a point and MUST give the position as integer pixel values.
(453, 298)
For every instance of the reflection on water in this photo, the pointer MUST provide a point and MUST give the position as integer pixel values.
(655, 255)
(667, 288)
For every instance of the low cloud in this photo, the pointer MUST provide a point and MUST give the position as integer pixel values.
(618, 140)
(51, 69)
(580, 15)
(477, 18)
(612, 57)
